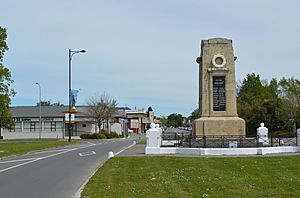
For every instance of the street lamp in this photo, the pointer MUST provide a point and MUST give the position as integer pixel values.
(40, 104)
(71, 53)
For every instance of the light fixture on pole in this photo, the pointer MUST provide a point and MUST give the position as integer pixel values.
(40, 109)
(71, 53)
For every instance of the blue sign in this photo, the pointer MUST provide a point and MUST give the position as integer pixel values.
(74, 93)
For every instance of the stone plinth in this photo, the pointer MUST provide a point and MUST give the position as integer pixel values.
(220, 126)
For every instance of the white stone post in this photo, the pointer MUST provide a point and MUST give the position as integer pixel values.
(262, 133)
(298, 137)
(159, 129)
(153, 140)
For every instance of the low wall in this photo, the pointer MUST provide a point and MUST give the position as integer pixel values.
(222, 151)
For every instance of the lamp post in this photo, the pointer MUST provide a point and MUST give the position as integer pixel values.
(40, 104)
(71, 53)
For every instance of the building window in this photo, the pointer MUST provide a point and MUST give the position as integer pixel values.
(17, 127)
(32, 126)
(59, 126)
(47, 126)
(53, 126)
(83, 125)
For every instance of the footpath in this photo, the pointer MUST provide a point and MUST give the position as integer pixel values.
(137, 149)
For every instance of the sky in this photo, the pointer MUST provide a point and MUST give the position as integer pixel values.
(142, 53)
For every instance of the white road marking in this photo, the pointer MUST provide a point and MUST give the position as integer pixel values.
(19, 160)
(41, 158)
(50, 151)
(87, 153)
(78, 193)
(125, 148)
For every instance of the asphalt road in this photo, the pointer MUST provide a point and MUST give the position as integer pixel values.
(55, 173)
(176, 130)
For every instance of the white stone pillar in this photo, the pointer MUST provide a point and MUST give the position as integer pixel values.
(159, 129)
(262, 133)
(298, 137)
(153, 140)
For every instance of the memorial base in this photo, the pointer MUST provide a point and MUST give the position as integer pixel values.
(219, 126)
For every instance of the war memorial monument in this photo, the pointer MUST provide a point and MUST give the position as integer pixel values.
(217, 90)
(218, 130)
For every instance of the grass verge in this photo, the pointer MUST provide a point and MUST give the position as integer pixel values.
(141, 142)
(196, 177)
(20, 147)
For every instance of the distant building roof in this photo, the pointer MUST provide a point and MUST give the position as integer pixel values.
(33, 111)
(54, 111)
(140, 111)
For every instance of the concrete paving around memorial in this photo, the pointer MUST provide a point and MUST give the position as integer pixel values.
(57, 172)
(139, 150)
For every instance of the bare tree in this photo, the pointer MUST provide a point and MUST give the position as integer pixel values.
(290, 92)
(101, 108)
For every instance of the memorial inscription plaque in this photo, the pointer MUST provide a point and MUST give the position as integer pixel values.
(219, 93)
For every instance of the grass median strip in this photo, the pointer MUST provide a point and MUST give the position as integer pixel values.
(8, 148)
(196, 177)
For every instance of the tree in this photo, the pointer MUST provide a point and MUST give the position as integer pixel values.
(6, 92)
(258, 101)
(290, 93)
(101, 109)
(194, 115)
(175, 120)
(49, 103)
(163, 120)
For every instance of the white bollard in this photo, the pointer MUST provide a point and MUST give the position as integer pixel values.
(298, 137)
(134, 142)
(262, 133)
(110, 155)
(153, 140)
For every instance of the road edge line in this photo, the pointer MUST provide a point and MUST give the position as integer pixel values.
(79, 191)
(134, 143)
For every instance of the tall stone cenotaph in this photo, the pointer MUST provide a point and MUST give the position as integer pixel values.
(217, 90)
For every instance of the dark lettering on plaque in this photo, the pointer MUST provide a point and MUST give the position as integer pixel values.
(219, 93)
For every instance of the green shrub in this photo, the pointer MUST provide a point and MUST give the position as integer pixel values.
(286, 134)
(85, 136)
(102, 136)
(94, 136)
(113, 135)
(104, 132)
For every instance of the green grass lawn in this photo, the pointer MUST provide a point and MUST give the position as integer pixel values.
(141, 142)
(161, 177)
(8, 148)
